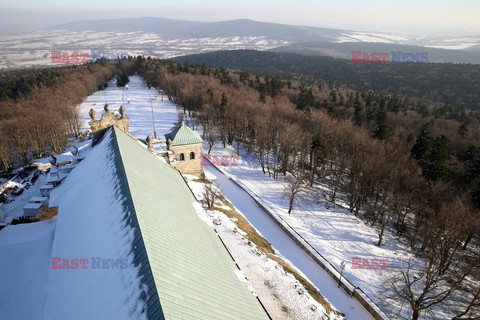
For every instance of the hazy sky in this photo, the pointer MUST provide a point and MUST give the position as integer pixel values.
(420, 16)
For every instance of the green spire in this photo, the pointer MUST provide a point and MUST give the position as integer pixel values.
(183, 135)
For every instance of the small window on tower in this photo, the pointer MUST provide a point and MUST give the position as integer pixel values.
(192, 156)
(182, 157)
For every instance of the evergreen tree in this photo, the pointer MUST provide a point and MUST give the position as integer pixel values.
(223, 104)
(423, 144)
(122, 78)
(471, 159)
(262, 91)
(275, 87)
(382, 131)
(350, 100)
(435, 167)
(333, 96)
(463, 130)
(305, 99)
(357, 116)
(203, 69)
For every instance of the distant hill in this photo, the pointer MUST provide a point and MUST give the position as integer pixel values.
(190, 29)
(156, 25)
(455, 84)
(474, 48)
(249, 34)
(344, 50)
(246, 27)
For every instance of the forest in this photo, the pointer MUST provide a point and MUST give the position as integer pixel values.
(38, 108)
(456, 85)
(413, 173)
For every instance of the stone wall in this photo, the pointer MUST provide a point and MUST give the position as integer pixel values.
(188, 166)
(108, 119)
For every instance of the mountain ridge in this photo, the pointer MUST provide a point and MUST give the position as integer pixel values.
(174, 28)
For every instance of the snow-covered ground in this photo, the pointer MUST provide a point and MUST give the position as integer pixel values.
(24, 49)
(282, 295)
(446, 42)
(332, 231)
(287, 248)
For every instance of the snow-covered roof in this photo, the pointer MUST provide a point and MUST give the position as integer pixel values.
(33, 205)
(45, 160)
(64, 157)
(53, 177)
(67, 167)
(38, 199)
(122, 203)
(25, 262)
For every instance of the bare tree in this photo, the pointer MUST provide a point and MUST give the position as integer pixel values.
(447, 271)
(293, 187)
(210, 194)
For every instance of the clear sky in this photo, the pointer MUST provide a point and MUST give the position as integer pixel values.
(420, 16)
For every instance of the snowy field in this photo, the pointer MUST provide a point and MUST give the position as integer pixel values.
(445, 42)
(24, 49)
(29, 48)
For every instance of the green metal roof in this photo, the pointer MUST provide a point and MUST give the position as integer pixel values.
(192, 271)
(152, 302)
(183, 135)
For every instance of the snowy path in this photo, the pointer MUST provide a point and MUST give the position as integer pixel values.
(139, 109)
(287, 248)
